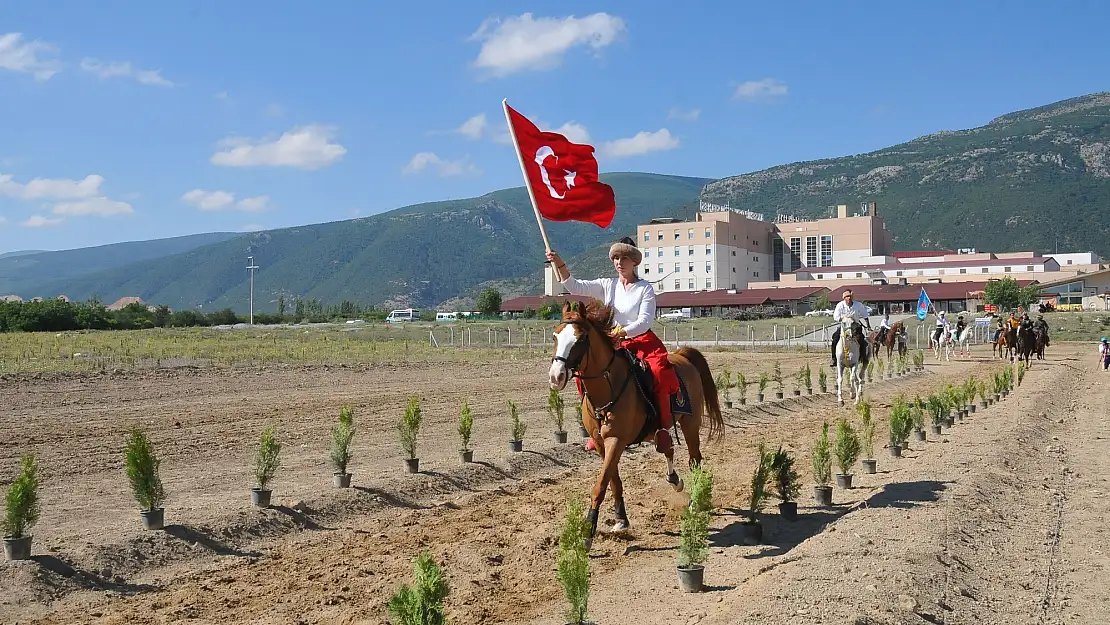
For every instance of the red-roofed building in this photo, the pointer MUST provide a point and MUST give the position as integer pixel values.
(902, 298)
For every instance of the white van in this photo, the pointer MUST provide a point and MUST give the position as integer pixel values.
(408, 314)
(447, 316)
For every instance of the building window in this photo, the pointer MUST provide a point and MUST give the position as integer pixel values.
(677, 267)
(689, 250)
(661, 287)
(963, 271)
(660, 235)
(677, 235)
(776, 258)
(898, 274)
(691, 283)
(1069, 261)
(826, 250)
(647, 269)
(755, 273)
(708, 267)
(811, 251)
(677, 252)
(647, 235)
(734, 252)
(755, 259)
(859, 275)
(795, 253)
(734, 270)
(985, 270)
(659, 252)
(691, 267)
(678, 285)
(660, 267)
(707, 234)
(691, 234)
(820, 276)
(839, 276)
(941, 271)
(1029, 268)
(708, 250)
(708, 283)
(1006, 269)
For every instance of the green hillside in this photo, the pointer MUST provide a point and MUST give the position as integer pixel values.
(1017, 183)
(40, 274)
(418, 255)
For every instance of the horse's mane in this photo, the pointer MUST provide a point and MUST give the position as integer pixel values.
(596, 312)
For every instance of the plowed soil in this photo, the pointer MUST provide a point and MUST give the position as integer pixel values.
(999, 520)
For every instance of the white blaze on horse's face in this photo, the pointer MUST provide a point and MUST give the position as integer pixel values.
(564, 342)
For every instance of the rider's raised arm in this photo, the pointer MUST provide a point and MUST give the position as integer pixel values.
(589, 288)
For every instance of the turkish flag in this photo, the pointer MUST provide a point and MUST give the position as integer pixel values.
(563, 175)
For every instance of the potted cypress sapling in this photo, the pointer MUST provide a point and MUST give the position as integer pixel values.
(776, 377)
(890, 368)
(878, 362)
(763, 380)
(466, 425)
(21, 510)
(970, 387)
(847, 451)
(573, 562)
(917, 419)
(517, 428)
(742, 388)
(693, 547)
(786, 483)
(937, 415)
(142, 472)
(722, 388)
(822, 468)
(799, 381)
(341, 437)
(867, 427)
(267, 459)
(822, 380)
(807, 377)
(981, 388)
(751, 530)
(899, 429)
(421, 603)
(409, 430)
(555, 408)
(870, 371)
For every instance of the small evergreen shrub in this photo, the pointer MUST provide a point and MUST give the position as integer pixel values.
(822, 458)
(341, 437)
(421, 603)
(574, 563)
(267, 458)
(142, 471)
(409, 427)
(466, 426)
(21, 503)
(555, 408)
(516, 426)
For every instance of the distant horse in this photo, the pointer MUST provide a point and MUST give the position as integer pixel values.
(1026, 343)
(615, 406)
(943, 345)
(1041, 338)
(963, 340)
(896, 335)
(1006, 345)
(848, 356)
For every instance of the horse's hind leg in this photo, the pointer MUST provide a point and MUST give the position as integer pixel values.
(690, 433)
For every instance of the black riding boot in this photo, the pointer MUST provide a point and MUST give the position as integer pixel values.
(835, 338)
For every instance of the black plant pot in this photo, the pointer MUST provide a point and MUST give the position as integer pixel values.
(759, 396)
(797, 393)
(260, 497)
(778, 395)
(743, 401)
(949, 422)
(844, 481)
(412, 465)
(919, 435)
(516, 446)
(970, 408)
(751, 533)
(896, 451)
(560, 438)
(936, 430)
(153, 519)
(789, 510)
(341, 480)
(870, 466)
(17, 548)
(583, 431)
(691, 579)
(823, 495)
(466, 455)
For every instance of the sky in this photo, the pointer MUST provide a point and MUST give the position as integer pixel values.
(140, 120)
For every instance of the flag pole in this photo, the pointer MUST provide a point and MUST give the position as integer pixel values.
(524, 173)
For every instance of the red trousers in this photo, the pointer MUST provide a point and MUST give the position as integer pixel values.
(648, 347)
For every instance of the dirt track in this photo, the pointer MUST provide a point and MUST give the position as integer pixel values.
(998, 522)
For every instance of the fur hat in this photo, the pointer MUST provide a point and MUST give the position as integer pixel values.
(626, 247)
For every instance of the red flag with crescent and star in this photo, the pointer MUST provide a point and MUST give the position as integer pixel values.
(563, 175)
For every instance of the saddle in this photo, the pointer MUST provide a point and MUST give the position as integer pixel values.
(645, 386)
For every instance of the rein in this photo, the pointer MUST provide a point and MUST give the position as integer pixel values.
(602, 412)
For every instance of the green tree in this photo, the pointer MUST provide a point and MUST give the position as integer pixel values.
(1006, 294)
(822, 302)
(281, 305)
(489, 302)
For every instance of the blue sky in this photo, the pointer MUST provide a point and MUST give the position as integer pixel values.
(128, 120)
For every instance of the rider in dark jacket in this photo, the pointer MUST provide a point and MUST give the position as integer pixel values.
(1041, 324)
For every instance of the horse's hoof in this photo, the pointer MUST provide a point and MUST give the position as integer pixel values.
(620, 526)
(675, 482)
(589, 543)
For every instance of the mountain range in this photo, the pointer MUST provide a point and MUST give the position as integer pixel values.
(1029, 180)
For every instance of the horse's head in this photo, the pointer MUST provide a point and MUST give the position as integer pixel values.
(580, 323)
(850, 326)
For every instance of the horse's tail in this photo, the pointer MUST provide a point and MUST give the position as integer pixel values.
(712, 404)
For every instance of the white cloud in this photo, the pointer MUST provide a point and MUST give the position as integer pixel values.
(51, 188)
(424, 160)
(101, 206)
(574, 132)
(306, 147)
(20, 56)
(38, 221)
(763, 89)
(524, 43)
(224, 200)
(643, 143)
(688, 116)
(473, 128)
(104, 70)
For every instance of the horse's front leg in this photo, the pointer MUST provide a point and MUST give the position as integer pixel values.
(618, 502)
(839, 384)
(613, 449)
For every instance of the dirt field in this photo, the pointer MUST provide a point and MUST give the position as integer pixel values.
(1000, 520)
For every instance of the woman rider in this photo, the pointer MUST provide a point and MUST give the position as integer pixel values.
(633, 302)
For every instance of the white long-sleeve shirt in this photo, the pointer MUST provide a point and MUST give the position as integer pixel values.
(634, 306)
(856, 311)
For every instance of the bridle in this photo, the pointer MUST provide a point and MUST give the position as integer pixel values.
(575, 365)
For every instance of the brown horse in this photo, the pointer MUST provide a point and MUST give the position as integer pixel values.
(1006, 345)
(613, 409)
(895, 336)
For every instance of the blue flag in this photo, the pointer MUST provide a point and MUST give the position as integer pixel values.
(923, 304)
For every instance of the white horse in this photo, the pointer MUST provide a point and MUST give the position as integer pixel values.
(963, 340)
(944, 345)
(848, 356)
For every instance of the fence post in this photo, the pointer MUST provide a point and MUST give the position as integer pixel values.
(432, 339)
(490, 336)
(716, 335)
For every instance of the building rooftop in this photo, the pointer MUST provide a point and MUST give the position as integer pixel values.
(955, 264)
(910, 292)
(921, 253)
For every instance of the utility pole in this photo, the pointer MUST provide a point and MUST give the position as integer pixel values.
(251, 266)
